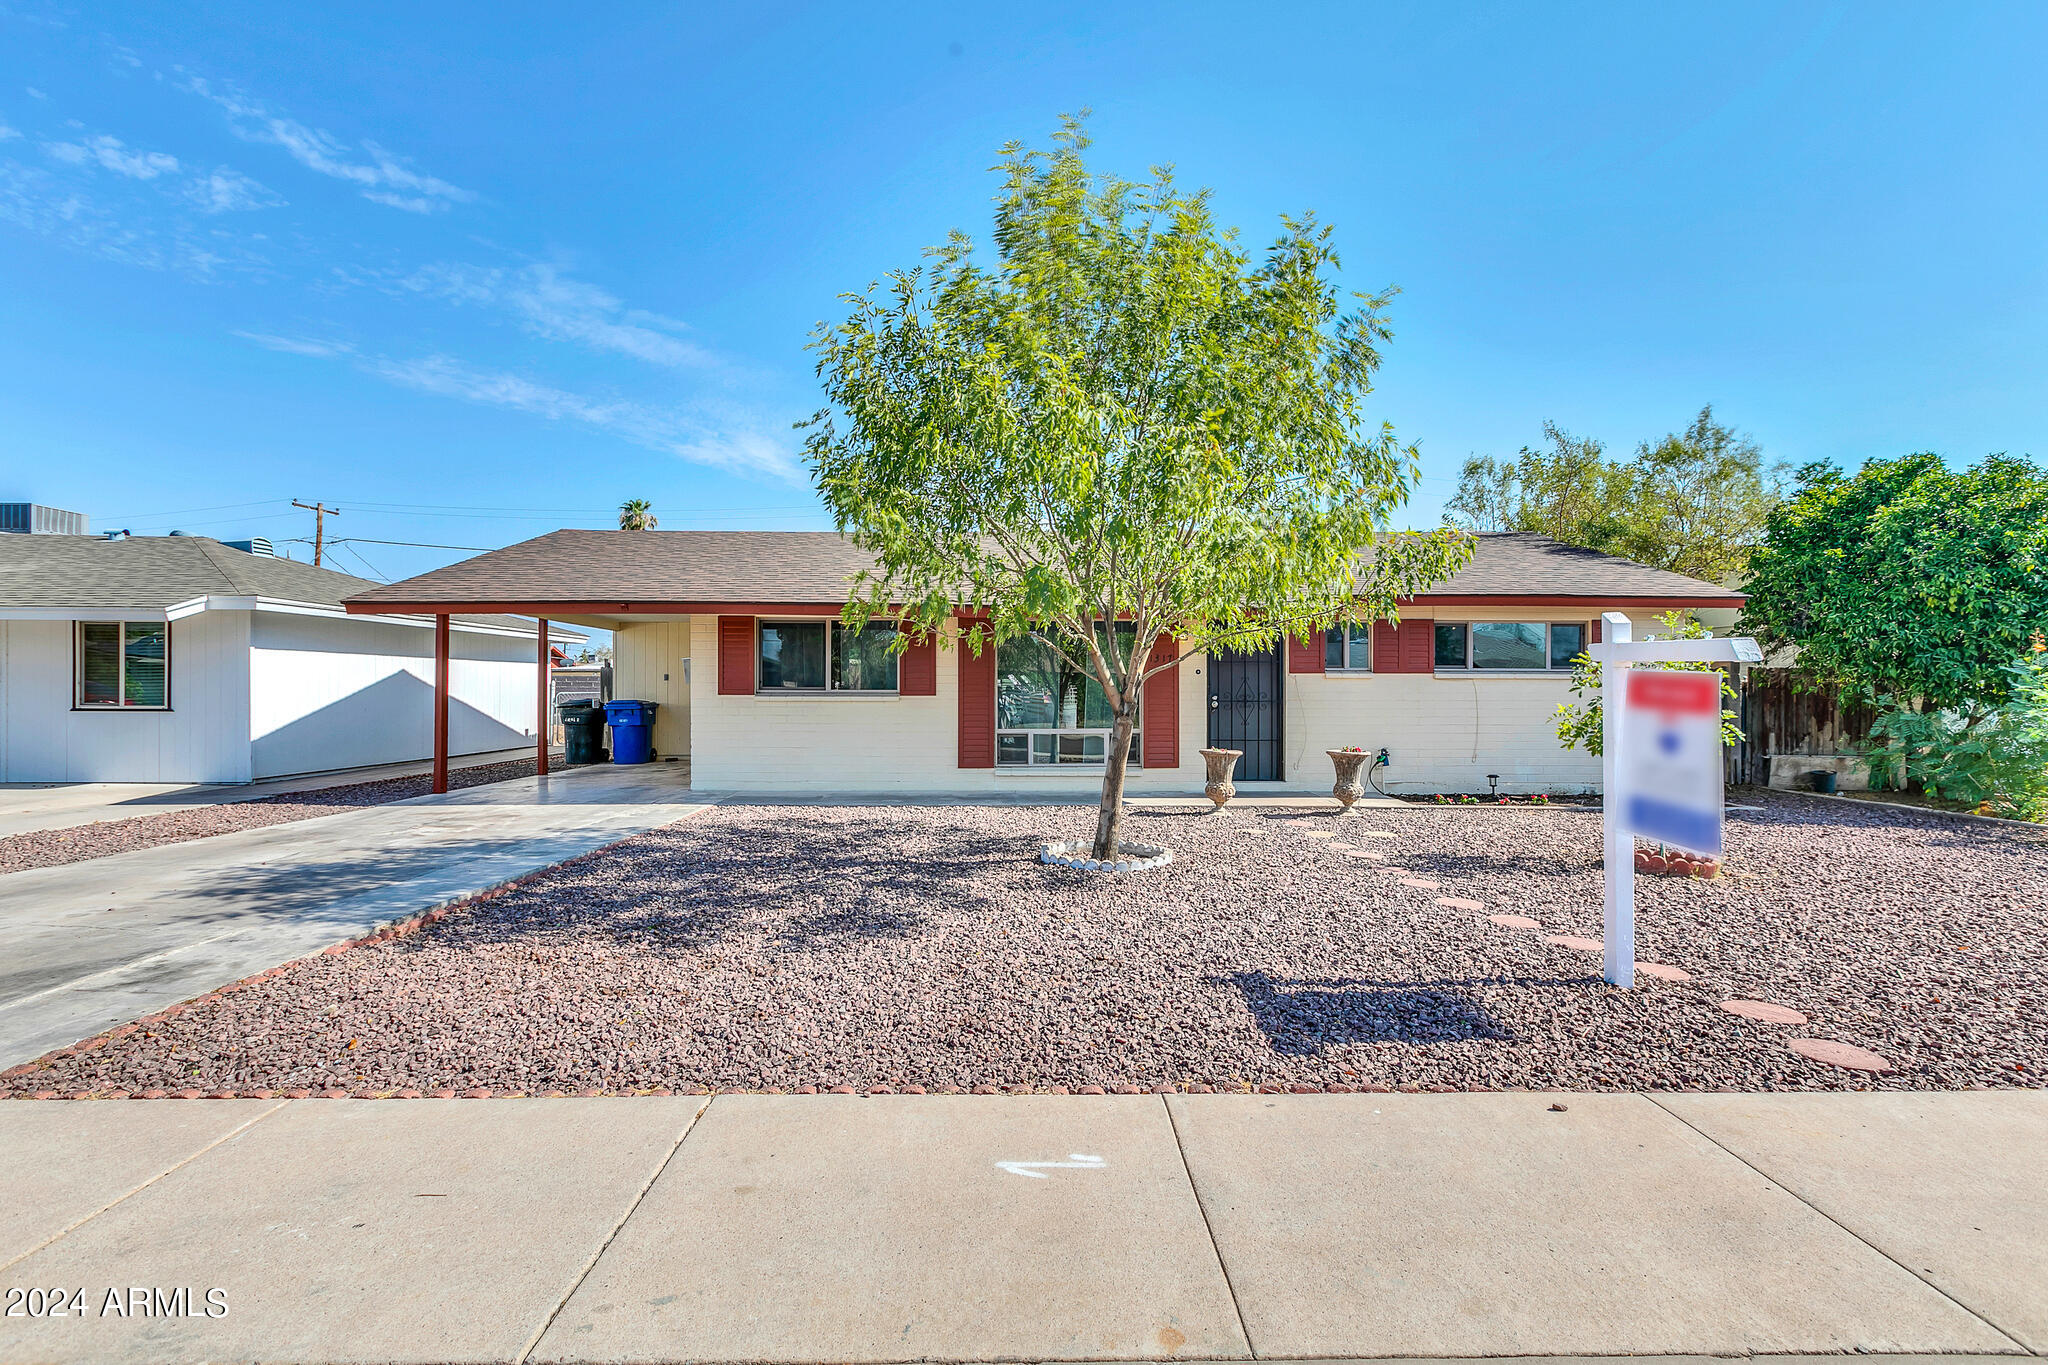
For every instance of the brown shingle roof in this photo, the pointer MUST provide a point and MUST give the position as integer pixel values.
(1524, 564)
(605, 570)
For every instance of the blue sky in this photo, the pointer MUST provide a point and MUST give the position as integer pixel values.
(471, 273)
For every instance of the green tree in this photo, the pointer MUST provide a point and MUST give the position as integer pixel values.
(637, 514)
(1908, 580)
(1695, 502)
(1122, 418)
(1580, 722)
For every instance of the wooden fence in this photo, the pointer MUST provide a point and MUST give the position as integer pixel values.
(1778, 717)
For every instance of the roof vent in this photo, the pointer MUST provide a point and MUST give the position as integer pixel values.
(255, 545)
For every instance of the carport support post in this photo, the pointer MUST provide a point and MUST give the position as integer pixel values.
(1618, 920)
(541, 704)
(441, 702)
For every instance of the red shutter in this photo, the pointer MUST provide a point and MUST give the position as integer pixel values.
(1593, 635)
(735, 656)
(1386, 647)
(1407, 648)
(977, 707)
(1305, 655)
(1418, 651)
(917, 671)
(1162, 707)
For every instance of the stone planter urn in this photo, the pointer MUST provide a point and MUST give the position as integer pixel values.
(1221, 761)
(1348, 762)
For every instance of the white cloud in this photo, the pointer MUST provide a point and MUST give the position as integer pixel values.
(6, 132)
(229, 191)
(378, 175)
(550, 304)
(66, 209)
(736, 445)
(34, 93)
(110, 153)
(312, 346)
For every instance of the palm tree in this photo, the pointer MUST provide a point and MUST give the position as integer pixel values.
(637, 514)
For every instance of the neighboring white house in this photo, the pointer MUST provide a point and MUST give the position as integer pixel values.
(1462, 692)
(182, 659)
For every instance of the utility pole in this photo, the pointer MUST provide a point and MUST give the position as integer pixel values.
(321, 512)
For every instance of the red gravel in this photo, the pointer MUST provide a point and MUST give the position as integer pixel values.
(760, 947)
(55, 847)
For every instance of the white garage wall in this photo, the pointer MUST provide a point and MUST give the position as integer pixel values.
(328, 693)
(202, 738)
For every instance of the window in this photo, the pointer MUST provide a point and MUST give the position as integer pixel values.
(1507, 644)
(124, 664)
(1515, 646)
(1049, 713)
(1450, 646)
(822, 656)
(1348, 648)
(1566, 644)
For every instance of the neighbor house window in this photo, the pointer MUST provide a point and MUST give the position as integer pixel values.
(1517, 646)
(1048, 712)
(1348, 648)
(124, 664)
(826, 656)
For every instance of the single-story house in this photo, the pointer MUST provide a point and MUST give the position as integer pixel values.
(182, 659)
(783, 698)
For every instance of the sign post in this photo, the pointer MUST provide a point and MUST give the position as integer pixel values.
(1660, 763)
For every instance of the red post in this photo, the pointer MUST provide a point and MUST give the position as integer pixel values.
(441, 702)
(541, 702)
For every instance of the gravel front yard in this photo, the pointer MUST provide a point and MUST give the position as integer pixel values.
(52, 848)
(760, 947)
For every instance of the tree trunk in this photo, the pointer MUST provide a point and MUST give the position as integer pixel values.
(1109, 823)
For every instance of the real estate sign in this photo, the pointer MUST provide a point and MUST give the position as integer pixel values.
(1669, 774)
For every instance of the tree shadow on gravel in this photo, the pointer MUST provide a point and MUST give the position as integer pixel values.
(1303, 1018)
(802, 886)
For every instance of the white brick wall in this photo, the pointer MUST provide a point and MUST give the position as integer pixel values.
(1445, 734)
(886, 744)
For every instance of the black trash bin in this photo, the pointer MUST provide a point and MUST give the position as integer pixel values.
(582, 732)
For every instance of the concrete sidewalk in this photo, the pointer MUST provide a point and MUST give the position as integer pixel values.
(787, 1228)
(100, 942)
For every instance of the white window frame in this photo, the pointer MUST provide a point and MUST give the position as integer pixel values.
(1347, 666)
(828, 690)
(1031, 761)
(78, 701)
(1585, 637)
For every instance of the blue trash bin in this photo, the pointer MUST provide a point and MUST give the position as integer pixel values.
(632, 725)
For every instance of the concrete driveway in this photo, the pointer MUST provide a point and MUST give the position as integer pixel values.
(96, 943)
(27, 807)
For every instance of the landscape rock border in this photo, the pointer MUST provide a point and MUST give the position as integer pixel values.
(1068, 853)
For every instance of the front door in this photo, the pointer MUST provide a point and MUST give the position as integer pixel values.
(1245, 710)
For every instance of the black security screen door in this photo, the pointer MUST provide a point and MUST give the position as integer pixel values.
(1244, 711)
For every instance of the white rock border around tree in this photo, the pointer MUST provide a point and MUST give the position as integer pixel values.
(1073, 853)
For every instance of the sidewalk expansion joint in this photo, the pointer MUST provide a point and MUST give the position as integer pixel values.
(533, 1342)
(1222, 1265)
(179, 1165)
(2020, 1346)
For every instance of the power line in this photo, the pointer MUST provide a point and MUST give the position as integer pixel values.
(416, 544)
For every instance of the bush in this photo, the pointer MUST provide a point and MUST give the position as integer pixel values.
(1992, 758)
